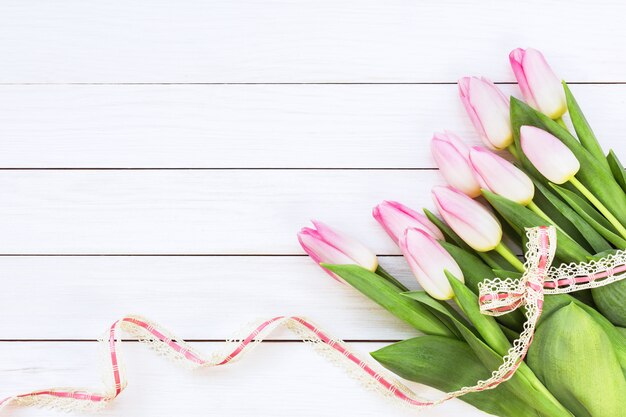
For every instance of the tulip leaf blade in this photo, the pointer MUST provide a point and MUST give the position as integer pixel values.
(552, 303)
(583, 129)
(577, 363)
(597, 179)
(617, 169)
(585, 230)
(447, 365)
(590, 215)
(501, 273)
(475, 271)
(567, 250)
(486, 325)
(388, 296)
(610, 301)
(383, 273)
(440, 306)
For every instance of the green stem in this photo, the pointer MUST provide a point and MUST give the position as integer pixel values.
(509, 256)
(561, 122)
(511, 148)
(539, 212)
(598, 204)
(544, 216)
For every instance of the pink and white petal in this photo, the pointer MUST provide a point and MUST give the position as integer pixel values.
(516, 58)
(349, 246)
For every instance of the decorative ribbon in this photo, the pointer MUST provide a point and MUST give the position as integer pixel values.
(496, 297)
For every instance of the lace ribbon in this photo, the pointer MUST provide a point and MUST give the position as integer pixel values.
(496, 297)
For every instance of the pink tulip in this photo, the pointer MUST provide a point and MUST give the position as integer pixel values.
(472, 221)
(452, 158)
(488, 109)
(326, 245)
(549, 155)
(395, 218)
(540, 86)
(501, 177)
(428, 261)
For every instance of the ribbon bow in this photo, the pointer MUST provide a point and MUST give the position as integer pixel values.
(497, 297)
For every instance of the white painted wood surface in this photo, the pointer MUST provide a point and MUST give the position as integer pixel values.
(179, 197)
(247, 126)
(195, 212)
(282, 41)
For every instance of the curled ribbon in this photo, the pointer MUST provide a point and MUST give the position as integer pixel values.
(496, 297)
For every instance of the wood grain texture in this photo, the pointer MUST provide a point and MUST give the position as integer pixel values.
(243, 126)
(274, 380)
(281, 41)
(195, 212)
(200, 298)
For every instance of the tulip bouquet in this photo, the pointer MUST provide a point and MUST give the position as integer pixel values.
(535, 171)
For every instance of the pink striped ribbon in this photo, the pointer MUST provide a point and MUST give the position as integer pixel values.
(497, 297)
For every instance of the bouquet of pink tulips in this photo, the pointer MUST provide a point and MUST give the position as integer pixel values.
(534, 171)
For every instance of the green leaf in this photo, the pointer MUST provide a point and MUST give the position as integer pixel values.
(501, 273)
(389, 297)
(590, 215)
(617, 169)
(611, 301)
(383, 273)
(592, 174)
(448, 365)
(440, 306)
(474, 271)
(578, 364)
(486, 325)
(552, 303)
(583, 130)
(569, 215)
(602, 254)
(567, 250)
(493, 260)
(558, 218)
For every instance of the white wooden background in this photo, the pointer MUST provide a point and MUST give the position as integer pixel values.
(158, 157)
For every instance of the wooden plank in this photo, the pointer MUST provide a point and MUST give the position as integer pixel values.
(199, 298)
(302, 41)
(195, 212)
(277, 379)
(286, 126)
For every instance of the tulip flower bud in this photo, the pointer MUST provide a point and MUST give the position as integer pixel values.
(429, 261)
(452, 158)
(326, 245)
(501, 177)
(540, 86)
(548, 154)
(488, 109)
(472, 221)
(395, 218)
